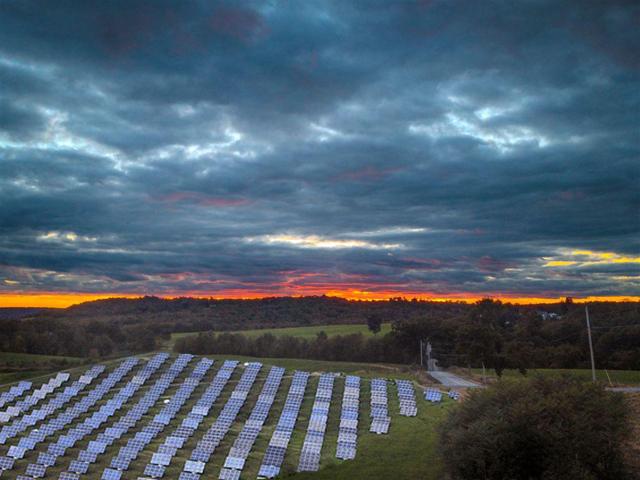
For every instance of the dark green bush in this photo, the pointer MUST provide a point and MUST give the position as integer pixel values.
(541, 428)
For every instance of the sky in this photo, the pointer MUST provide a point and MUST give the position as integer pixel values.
(365, 149)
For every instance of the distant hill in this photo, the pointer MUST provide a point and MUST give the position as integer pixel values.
(189, 314)
(16, 313)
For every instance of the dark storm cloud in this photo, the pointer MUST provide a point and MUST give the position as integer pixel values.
(391, 146)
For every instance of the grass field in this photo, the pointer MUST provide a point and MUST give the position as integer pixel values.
(20, 366)
(309, 332)
(32, 358)
(618, 377)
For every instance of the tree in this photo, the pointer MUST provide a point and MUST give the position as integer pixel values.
(374, 322)
(542, 428)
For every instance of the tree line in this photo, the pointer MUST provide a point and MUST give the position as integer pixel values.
(498, 335)
(490, 333)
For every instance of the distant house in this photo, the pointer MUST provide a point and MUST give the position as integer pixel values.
(548, 315)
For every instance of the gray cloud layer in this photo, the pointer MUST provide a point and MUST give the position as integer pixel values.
(287, 148)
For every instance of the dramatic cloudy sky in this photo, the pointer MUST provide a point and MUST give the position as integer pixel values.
(435, 148)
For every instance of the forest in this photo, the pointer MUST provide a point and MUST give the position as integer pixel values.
(498, 335)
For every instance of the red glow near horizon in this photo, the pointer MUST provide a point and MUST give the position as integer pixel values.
(66, 299)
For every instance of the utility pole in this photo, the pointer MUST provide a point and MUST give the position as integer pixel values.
(593, 363)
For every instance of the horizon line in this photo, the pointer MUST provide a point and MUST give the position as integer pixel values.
(67, 299)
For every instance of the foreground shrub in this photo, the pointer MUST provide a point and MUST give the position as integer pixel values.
(542, 428)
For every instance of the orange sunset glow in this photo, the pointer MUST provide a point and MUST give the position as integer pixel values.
(63, 300)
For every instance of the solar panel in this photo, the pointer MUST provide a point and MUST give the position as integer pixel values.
(111, 474)
(155, 471)
(6, 463)
(78, 466)
(194, 466)
(120, 463)
(36, 470)
(189, 476)
(96, 447)
(229, 474)
(433, 395)
(16, 452)
(175, 441)
(161, 459)
(268, 471)
(69, 476)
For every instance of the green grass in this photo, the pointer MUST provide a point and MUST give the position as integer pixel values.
(308, 333)
(8, 357)
(365, 370)
(19, 366)
(618, 377)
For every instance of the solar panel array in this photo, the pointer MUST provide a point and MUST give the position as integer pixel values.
(145, 435)
(433, 395)
(94, 423)
(274, 455)
(14, 392)
(312, 446)
(234, 463)
(163, 456)
(200, 455)
(453, 394)
(34, 398)
(54, 419)
(70, 414)
(407, 398)
(348, 431)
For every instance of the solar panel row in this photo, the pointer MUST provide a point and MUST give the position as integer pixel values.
(14, 392)
(433, 395)
(312, 446)
(238, 454)
(348, 431)
(379, 406)
(274, 455)
(201, 454)
(61, 421)
(167, 450)
(407, 398)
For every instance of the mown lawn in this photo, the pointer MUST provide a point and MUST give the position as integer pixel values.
(309, 332)
(32, 358)
(19, 366)
(365, 370)
(618, 377)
